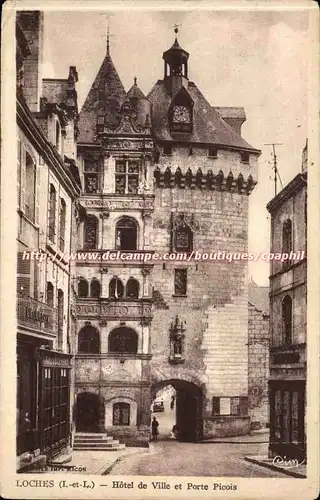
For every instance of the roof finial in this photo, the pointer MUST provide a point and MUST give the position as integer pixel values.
(135, 80)
(176, 28)
(108, 39)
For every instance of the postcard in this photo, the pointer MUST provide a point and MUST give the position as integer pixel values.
(160, 250)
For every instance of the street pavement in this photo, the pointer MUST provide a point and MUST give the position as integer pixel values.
(218, 458)
(172, 458)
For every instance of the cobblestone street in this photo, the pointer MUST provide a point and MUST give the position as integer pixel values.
(171, 458)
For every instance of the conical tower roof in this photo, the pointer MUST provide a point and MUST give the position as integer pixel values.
(104, 99)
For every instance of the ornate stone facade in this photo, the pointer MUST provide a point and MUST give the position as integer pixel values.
(164, 186)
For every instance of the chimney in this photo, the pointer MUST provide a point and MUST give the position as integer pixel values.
(31, 23)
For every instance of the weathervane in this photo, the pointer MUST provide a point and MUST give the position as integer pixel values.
(176, 28)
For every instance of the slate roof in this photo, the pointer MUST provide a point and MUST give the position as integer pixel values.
(258, 296)
(107, 83)
(208, 125)
(135, 93)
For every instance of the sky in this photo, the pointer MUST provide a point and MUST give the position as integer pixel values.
(254, 59)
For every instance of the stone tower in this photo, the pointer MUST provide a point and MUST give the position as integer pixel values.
(162, 174)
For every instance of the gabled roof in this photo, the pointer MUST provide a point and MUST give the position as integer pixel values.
(208, 125)
(104, 99)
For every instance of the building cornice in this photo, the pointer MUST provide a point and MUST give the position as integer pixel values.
(297, 183)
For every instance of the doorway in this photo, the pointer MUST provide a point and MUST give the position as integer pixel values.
(88, 410)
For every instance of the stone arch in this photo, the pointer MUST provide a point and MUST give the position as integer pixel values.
(116, 288)
(132, 288)
(109, 410)
(88, 340)
(189, 405)
(126, 233)
(95, 288)
(124, 340)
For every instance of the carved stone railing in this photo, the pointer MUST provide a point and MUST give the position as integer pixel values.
(140, 309)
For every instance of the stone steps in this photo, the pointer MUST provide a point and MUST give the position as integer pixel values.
(96, 441)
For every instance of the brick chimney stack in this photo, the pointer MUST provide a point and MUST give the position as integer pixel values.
(31, 23)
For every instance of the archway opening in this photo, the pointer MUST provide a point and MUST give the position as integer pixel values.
(185, 415)
(88, 412)
(123, 340)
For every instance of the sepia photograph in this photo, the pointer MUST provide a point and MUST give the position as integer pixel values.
(160, 214)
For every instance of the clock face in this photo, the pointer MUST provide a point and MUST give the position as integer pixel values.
(181, 114)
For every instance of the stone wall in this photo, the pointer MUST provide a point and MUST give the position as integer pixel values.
(258, 370)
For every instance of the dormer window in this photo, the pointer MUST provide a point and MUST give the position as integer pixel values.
(180, 113)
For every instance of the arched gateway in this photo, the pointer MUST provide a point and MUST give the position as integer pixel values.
(189, 417)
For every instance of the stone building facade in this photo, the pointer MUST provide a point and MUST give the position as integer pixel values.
(162, 173)
(48, 184)
(258, 353)
(288, 319)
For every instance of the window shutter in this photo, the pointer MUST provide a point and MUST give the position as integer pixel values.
(215, 406)
(243, 406)
(23, 275)
(23, 179)
(37, 195)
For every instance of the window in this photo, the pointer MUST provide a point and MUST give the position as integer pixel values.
(30, 188)
(90, 232)
(126, 234)
(287, 241)
(83, 288)
(60, 318)
(123, 340)
(230, 406)
(183, 239)
(213, 153)
(180, 282)
(95, 288)
(167, 150)
(49, 294)
(132, 289)
(121, 414)
(287, 320)
(116, 289)
(245, 157)
(23, 275)
(190, 151)
(62, 225)
(91, 176)
(52, 213)
(127, 177)
(88, 340)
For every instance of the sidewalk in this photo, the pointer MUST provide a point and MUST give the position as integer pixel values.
(257, 436)
(263, 460)
(94, 462)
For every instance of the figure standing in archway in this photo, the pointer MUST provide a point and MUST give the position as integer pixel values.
(154, 429)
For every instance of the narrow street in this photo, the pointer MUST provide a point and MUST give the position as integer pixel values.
(169, 457)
